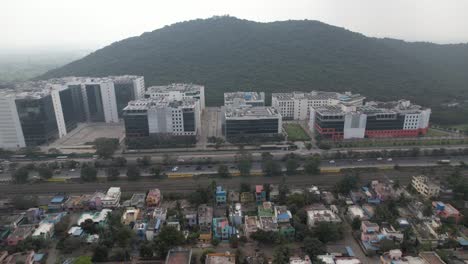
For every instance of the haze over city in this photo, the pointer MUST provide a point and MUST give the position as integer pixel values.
(89, 24)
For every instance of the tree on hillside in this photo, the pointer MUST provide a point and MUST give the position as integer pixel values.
(105, 147)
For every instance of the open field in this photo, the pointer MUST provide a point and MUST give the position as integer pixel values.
(295, 132)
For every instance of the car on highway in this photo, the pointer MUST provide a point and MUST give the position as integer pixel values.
(198, 167)
(389, 159)
(331, 162)
(72, 170)
(379, 158)
(175, 169)
(360, 160)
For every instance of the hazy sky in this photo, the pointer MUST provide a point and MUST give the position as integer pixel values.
(96, 23)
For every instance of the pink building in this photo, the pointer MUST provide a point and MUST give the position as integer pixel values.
(154, 197)
(447, 211)
(21, 232)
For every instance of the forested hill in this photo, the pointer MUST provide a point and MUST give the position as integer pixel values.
(230, 54)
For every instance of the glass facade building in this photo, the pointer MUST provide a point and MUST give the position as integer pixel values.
(37, 118)
(96, 110)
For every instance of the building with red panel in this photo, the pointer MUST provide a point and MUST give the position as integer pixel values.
(372, 120)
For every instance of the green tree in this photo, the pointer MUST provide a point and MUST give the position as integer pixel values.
(292, 164)
(133, 173)
(20, 175)
(265, 237)
(100, 253)
(244, 163)
(345, 185)
(271, 167)
(313, 247)
(356, 224)
(281, 254)
(112, 173)
(308, 146)
(168, 238)
(245, 187)
(146, 250)
(45, 172)
(145, 161)
(328, 232)
(119, 162)
(105, 147)
(223, 171)
(88, 173)
(312, 165)
(156, 171)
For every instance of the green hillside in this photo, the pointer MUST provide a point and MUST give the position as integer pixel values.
(230, 54)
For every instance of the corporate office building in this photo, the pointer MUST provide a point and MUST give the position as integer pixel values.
(245, 113)
(372, 120)
(36, 113)
(296, 105)
(244, 98)
(162, 116)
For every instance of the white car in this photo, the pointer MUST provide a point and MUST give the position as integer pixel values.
(359, 160)
(389, 159)
(379, 158)
(331, 162)
(72, 170)
(175, 169)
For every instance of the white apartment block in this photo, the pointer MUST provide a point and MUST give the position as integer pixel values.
(178, 92)
(112, 198)
(296, 105)
(425, 187)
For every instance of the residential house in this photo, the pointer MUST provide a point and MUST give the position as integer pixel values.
(383, 191)
(300, 260)
(20, 257)
(34, 215)
(235, 214)
(173, 223)
(57, 203)
(140, 229)
(205, 234)
(222, 230)
(179, 256)
(233, 196)
(251, 225)
(220, 258)
(265, 209)
(356, 211)
(77, 203)
(282, 214)
(95, 201)
(247, 197)
(221, 196)
(20, 233)
(44, 230)
(370, 238)
(97, 217)
(54, 218)
(260, 194)
(131, 215)
(138, 200)
(112, 198)
(274, 192)
(268, 223)
(447, 212)
(190, 217)
(154, 198)
(75, 231)
(425, 186)
(205, 215)
(316, 216)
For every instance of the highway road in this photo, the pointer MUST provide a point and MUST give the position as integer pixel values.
(190, 165)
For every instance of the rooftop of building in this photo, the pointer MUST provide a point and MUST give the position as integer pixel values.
(319, 95)
(220, 258)
(372, 108)
(268, 223)
(246, 96)
(181, 87)
(179, 256)
(159, 102)
(248, 112)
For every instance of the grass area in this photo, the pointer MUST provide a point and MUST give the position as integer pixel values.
(391, 143)
(436, 133)
(296, 132)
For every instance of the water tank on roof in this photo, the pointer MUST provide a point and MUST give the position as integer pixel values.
(440, 206)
